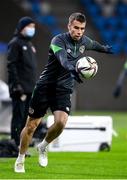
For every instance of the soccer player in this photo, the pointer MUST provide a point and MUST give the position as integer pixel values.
(120, 81)
(54, 88)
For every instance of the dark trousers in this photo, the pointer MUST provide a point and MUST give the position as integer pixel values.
(19, 116)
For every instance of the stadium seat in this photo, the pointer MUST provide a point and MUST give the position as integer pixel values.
(122, 10)
(121, 34)
(117, 48)
(112, 22)
(125, 48)
(124, 22)
(94, 10)
(87, 2)
(49, 20)
(99, 22)
(108, 36)
(36, 8)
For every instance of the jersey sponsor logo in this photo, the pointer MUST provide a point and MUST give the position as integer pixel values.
(24, 48)
(31, 110)
(68, 50)
(82, 49)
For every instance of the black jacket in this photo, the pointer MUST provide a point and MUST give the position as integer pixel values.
(63, 55)
(21, 64)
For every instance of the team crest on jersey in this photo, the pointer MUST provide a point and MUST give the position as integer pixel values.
(68, 50)
(31, 110)
(24, 48)
(33, 49)
(82, 49)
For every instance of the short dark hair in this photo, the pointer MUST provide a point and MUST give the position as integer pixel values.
(77, 16)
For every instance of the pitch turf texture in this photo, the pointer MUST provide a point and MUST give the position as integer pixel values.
(75, 165)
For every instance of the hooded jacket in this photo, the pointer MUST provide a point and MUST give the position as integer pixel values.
(21, 60)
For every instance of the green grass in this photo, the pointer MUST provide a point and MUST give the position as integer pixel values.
(67, 165)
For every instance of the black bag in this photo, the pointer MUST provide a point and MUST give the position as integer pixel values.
(8, 148)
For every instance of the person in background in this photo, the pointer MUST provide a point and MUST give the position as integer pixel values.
(54, 88)
(120, 81)
(22, 67)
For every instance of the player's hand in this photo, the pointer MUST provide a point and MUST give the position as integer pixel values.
(108, 49)
(18, 90)
(76, 76)
(117, 91)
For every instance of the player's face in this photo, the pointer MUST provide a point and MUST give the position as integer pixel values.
(76, 29)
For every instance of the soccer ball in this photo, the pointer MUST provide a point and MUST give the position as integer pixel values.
(87, 67)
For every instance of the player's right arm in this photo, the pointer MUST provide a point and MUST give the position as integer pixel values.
(58, 48)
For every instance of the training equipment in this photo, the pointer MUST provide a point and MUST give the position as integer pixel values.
(84, 133)
(87, 67)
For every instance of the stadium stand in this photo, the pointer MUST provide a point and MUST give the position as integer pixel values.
(111, 22)
(42, 13)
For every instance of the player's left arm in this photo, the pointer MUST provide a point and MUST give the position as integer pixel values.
(59, 50)
(96, 46)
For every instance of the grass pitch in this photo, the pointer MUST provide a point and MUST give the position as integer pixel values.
(75, 165)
